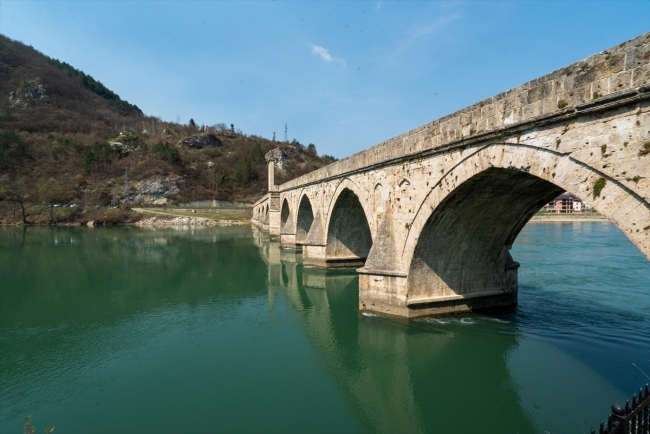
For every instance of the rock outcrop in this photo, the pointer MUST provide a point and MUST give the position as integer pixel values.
(29, 93)
(167, 220)
(200, 141)
(281, 155)
(152, 191)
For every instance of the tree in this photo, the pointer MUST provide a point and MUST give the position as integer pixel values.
(166, 152)
(256, 153)
(15, 191)
(49, 192)
(192, 123)
(12, 150)
(245, 172)
(232, 129)
(220, 128)
(311, 150)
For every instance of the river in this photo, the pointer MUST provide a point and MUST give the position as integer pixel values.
(122, 329)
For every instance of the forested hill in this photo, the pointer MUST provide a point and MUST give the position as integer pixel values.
(66, 138)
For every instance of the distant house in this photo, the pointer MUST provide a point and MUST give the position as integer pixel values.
(566, 203)
(578, 205)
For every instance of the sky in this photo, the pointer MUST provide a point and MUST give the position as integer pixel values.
(344, 75)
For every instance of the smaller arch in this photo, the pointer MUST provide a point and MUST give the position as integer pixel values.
(304, 219)
(362, 196)
(284, 214)
(348, 232)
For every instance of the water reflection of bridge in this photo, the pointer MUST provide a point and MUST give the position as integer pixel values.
(396, 376)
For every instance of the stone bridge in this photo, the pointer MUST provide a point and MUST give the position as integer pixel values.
(429, 216)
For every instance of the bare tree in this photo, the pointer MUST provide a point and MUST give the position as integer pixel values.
(15, 191)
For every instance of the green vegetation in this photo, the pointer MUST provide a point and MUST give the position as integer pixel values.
(257, 155)
(166, 152)
(561, 104)
(75, 148)
(5, 115)
(98, 156)
(645, 150)
(245, 171)
(12, 150)
(95, 86)
(598, 186)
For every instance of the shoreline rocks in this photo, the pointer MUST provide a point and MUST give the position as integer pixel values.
(184, 221)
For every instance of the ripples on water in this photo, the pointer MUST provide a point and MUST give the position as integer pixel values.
(219, 330)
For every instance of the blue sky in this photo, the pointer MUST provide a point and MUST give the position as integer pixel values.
(342, 75)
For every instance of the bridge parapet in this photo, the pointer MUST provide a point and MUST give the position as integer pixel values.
(604, 79)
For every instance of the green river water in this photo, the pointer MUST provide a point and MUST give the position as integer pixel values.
(128, 330)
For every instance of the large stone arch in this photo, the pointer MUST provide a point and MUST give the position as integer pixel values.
(304, 217)
(348, 236)
(483, 201)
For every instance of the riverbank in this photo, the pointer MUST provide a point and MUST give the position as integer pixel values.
(192, 217)
(108, 216)
(563, 218)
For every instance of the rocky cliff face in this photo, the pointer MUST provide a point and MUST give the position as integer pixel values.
(151, 191)
(29, 93)
(281, 155)
(200, 141)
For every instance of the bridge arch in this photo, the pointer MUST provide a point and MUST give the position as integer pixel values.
(304, 218)
(349, 230)
(483, 202)
(285, 212)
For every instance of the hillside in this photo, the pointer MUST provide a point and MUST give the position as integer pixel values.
(65, 138)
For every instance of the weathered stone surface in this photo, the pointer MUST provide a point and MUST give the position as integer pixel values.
(280, 155)
(200, 141)
(154, 190)
(435, 211)
(29, 93)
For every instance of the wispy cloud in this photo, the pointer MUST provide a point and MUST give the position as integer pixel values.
(378, 6)
(324, 54)
(421, 30)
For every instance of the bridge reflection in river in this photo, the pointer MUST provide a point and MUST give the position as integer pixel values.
(474, 373)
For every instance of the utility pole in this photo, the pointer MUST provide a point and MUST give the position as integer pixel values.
(274, 136)
(286, 136)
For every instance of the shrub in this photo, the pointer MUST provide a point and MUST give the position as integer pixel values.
(166, 152)
(598, 186)
(257, 155)
(245, 171)
(645, 150)
(12, 149)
